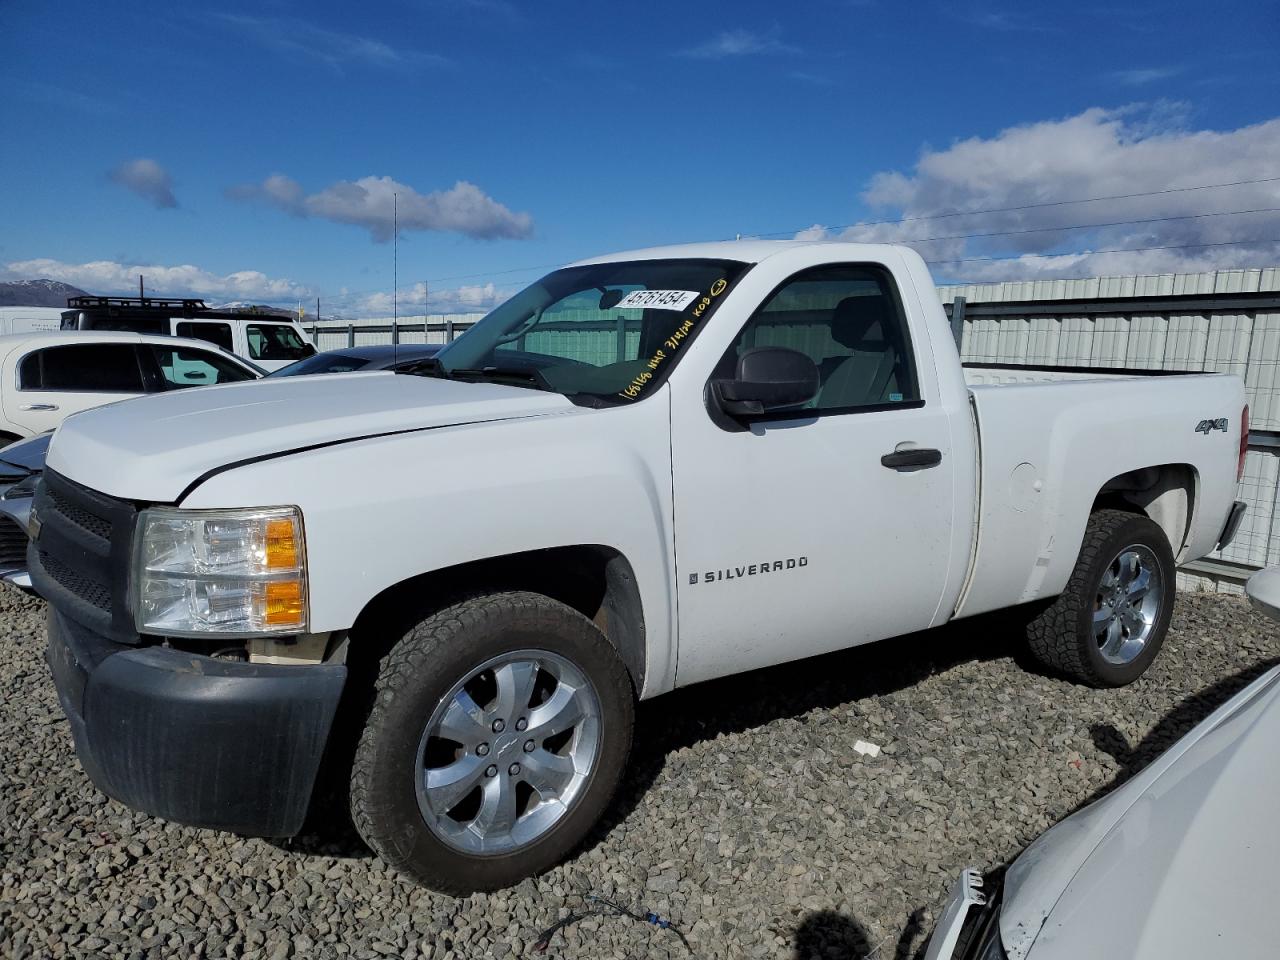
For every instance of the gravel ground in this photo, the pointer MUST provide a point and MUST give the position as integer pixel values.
(747, 819)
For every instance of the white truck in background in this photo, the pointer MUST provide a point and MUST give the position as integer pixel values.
(644, 471)
(29, 319)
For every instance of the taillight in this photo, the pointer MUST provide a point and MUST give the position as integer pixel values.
(1244, 441)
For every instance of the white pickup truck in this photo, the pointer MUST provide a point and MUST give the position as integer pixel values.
(643, 471)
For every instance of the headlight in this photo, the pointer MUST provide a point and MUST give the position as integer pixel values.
(232, 572)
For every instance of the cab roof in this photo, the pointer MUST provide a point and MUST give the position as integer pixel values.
(744, 251)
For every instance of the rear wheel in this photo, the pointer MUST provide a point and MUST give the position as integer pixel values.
(499, 732)
(1108, 625)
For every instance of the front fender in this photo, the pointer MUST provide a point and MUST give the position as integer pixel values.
(379, 511)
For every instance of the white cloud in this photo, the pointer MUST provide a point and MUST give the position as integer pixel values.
(1142, 76)
(369, 203)
(1004, 21)
(330, 47)
(1098, 153)
(106, 277)
(477, 298)
(737, 43)
(148, 180)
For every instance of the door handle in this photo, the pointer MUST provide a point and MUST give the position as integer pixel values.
(39, 406)
(913, 459)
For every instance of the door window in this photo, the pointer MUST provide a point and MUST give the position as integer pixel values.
(218, 333)
(274, 341)
(848, 320)
(82, 368)
(183, 367)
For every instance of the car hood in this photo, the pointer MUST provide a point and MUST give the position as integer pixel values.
(154, 448)
(25, 456)
(1179, 862)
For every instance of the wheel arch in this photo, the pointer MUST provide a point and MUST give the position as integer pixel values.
(596, 580)
(1166, 493)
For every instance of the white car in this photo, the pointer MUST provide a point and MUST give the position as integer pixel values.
(1179, 863)
(46, 377)
(641, 472)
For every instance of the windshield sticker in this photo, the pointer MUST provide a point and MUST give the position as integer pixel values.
(674, 342)
(658, 299)
(717, 288)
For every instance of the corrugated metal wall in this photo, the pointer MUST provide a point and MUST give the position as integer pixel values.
(1245, 280)
(331, 335)
(1246, 343)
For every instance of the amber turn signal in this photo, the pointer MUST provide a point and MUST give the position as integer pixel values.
(284, 606)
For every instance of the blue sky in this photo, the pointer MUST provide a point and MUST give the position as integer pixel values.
(147, 133)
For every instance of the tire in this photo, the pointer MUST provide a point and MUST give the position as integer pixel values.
(1105, 630)
(481, 648)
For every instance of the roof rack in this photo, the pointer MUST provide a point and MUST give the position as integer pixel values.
(135, 303)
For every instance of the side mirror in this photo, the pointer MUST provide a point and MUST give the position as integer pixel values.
(309, 350)
(767, 378)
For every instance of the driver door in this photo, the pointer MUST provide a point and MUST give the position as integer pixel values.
(793, 536)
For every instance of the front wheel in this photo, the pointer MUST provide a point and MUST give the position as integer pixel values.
(499, 732)
(1110, 622)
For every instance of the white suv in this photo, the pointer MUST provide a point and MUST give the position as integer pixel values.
(48, 376)
(267, 340)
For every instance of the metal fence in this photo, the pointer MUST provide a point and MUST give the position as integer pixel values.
(1225, 321)
(436, 328)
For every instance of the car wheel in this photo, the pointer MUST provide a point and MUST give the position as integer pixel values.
(499, 731)
(1110, 622)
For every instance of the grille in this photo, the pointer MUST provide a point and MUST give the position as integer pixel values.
(89, 522)
(82, 555)
(13, 543)
(87, 590)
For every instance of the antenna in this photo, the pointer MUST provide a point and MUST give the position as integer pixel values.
(426, 314)
(395, 278)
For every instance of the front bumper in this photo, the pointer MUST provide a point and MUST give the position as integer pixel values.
(969, 928)
(211, 743)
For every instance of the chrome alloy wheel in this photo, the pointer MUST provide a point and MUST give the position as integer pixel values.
(1127, 605)
(507, 752)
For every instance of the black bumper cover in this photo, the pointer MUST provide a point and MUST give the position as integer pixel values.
(210, 743)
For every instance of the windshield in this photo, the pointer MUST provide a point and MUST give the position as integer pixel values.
(609, 331)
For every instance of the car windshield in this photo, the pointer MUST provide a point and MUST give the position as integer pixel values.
(601, 333)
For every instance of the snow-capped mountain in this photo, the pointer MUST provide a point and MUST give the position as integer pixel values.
(37, 293)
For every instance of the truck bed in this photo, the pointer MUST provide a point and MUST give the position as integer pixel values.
(1051, 438)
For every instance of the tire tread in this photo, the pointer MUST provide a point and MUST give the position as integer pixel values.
(1054, 635)
(413, 658)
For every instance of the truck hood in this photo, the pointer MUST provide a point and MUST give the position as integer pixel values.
(153, 448)
(1181, 861)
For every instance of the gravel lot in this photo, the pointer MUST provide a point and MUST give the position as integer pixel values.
(747, 819)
